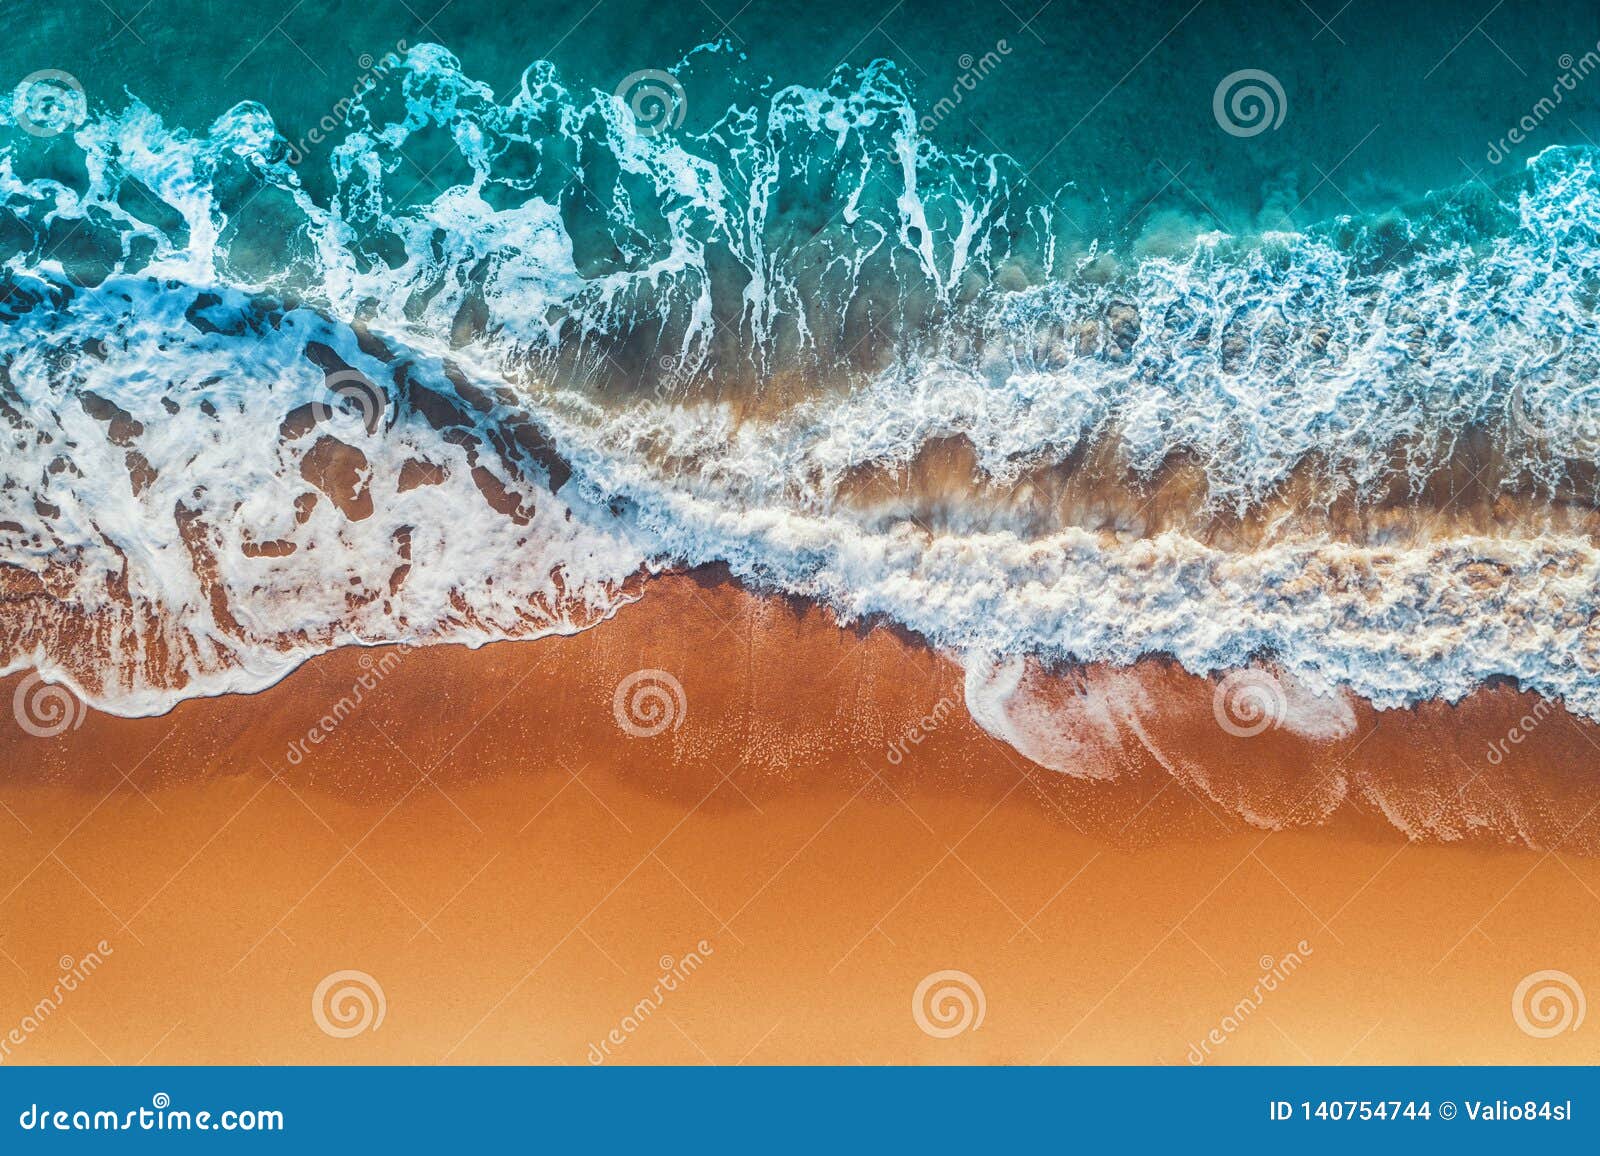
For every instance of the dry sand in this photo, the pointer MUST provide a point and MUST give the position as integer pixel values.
(516, 873)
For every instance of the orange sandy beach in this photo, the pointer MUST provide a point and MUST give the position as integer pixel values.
(819, 858)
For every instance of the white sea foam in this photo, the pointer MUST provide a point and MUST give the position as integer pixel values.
(1253, 355)
(213, 561)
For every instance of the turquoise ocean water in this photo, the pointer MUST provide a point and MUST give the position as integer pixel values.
(1108, 96)
(1111, 97)
(1236, 332)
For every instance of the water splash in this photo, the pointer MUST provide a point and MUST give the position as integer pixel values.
(594, 351)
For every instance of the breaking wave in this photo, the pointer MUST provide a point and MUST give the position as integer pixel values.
(505, 358)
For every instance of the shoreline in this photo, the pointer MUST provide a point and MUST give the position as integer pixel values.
(484, 840)
(1253, 745)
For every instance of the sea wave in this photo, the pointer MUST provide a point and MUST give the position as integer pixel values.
(508, 356)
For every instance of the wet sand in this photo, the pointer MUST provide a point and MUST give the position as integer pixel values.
(817, 829)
